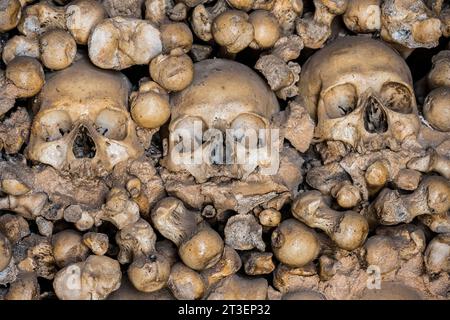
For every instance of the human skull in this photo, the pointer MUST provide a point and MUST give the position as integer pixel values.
(83, 126)
(360, 92)
(226, 99)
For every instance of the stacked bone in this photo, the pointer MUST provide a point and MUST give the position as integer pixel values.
(114, 183)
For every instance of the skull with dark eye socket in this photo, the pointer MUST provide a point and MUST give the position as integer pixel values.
(360, 92)
(83, 126)
(220, 123)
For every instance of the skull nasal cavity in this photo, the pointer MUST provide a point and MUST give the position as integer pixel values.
(83, 146)
(375, 119)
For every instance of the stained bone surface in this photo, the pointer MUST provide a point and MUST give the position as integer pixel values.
(224, 149)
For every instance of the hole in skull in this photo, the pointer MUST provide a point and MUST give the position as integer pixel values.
(84, 146)
(375, 119)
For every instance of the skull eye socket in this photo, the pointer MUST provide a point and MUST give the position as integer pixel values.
(187, 135)
(397, 97)
(247, 129)
(54, 125)
(340, 100)
(112, 124)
